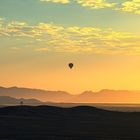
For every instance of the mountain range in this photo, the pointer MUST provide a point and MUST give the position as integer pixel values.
(103, 96)
(6, 100)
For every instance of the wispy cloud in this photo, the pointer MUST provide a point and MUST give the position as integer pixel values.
(1, 21)
(74, 39)
(132, 6)
(56, 1)
(95, 4)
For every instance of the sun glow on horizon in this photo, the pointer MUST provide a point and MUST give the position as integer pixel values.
(101, 38)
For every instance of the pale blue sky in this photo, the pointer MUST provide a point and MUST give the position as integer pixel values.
(34, 11)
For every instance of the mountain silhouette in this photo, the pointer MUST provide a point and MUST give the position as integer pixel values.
(6, 100)
(42, 95)
(103, 96)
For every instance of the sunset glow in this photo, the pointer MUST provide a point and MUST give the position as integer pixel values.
(38, 38)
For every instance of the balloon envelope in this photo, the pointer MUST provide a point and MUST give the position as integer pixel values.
(71, 65)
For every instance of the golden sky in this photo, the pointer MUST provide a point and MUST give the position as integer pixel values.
(38, 38)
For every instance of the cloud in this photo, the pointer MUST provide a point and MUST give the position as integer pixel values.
(1, 21)
(132, 6)
(95, 4)
(43, 49)
(56, 1)
(73, 39)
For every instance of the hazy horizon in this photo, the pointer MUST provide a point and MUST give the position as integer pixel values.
(15, 86)
(103, 96)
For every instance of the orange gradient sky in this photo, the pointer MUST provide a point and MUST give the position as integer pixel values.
(38, 38)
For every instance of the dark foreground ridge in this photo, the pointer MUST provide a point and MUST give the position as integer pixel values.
(77, 123)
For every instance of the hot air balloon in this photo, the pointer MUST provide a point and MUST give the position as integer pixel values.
(21, 102)
(71, 65)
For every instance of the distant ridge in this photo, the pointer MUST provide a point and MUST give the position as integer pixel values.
(103, 96)
(39, 94)
(6, 100)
